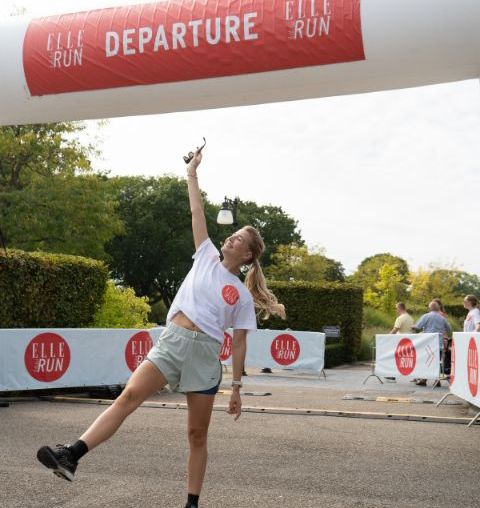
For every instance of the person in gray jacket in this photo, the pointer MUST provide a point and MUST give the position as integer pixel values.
(432, 322)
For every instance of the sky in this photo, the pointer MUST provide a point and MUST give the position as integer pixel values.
(395, 171)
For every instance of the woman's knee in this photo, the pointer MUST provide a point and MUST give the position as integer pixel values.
(197, 436)
(129, 399)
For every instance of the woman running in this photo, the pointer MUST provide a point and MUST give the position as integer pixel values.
(211, 299)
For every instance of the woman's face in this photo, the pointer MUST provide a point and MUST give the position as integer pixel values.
(467, 304)
(237, 246)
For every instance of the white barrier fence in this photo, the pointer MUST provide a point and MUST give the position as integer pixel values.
(280, 349)
(464, 369)
(408, 356)
(34, 359)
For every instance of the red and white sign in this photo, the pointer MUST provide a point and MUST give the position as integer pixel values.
(47, 357)
(465, 347)
(277, 349)
(182, 40)
(33, 359)
(226, 350)
(285, 349)
(137, 349)
(405, 357)
(472, 367)
(408, 356)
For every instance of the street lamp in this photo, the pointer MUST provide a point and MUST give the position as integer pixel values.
(228, 214)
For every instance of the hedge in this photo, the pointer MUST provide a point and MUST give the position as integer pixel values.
(311, 306)
(42, 290)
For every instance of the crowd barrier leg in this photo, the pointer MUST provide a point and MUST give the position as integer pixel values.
(442, 368)
(324, 374)
(474, 419)
(443, 398)
(373, 367)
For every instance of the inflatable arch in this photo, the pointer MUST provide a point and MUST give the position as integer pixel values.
(179, 55)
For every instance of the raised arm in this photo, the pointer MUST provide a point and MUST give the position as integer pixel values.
(199, 224)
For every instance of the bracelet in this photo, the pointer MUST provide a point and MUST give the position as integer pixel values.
(189, 175)
(236, 383)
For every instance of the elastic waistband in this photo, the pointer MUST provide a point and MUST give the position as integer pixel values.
(188, 334)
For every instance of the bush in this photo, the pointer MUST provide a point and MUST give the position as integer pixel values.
(334, 355)
(41, 290)
(122, 309)
(311, 306)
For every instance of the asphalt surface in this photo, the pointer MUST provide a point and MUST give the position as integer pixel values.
(266, 460)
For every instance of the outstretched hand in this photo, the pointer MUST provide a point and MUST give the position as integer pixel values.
(197, 159)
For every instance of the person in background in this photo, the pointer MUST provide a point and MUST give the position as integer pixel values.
(403, 324)
(447, 354)
(472, 321)
(432, 322)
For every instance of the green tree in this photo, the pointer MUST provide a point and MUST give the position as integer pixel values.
(387, 290)
(448, 284)
(276, 227)
(295, 262)
(122, 309)
(367, 274)
(50, 198)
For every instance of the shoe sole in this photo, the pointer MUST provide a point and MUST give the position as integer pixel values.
(46, 456)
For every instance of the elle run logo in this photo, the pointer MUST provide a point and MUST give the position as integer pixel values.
(47, 357)
(226, 350)
(230, 294)
(65, 49)
(308, 18)
(472, 367)
(405, 357)
(137, 349)
(285, 349)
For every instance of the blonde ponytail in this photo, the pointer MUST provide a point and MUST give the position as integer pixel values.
(265, 301)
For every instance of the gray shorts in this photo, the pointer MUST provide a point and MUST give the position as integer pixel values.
(189, 360)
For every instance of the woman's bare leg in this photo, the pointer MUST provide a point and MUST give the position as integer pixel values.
(145, 381)
(199, 412)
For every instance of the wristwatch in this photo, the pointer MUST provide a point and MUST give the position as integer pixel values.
(237, 383)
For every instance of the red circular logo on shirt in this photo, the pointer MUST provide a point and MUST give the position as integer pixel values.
(226, 350)
(285, 349)
(472, 367)
(452, 362)
(230, 294)
(47, 357)
(405, 357)
(137, 349)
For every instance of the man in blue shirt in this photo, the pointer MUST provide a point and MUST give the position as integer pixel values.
(432, 322)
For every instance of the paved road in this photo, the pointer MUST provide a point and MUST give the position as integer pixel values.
(262, 460)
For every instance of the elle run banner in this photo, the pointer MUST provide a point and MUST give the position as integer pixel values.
(182, 40)
(464, 369)
(408, 356)
(277, 349)
(32, 359)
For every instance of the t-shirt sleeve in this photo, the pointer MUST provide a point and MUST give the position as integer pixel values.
(206, 250)
(245, 318)
(398, 322)
(476, 317)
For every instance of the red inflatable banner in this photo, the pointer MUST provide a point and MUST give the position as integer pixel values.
(181, 40)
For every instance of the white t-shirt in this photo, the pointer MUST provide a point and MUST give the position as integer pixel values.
(472, 320)
(212, 297)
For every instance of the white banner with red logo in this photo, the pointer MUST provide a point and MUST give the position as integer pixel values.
(464, 369)
(280, 349)
(408, 356)
(32, 359)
